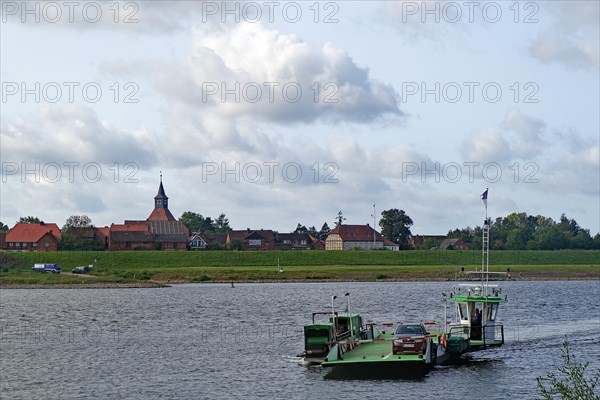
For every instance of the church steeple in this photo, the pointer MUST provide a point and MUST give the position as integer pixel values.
(161, 206)
(161, 200)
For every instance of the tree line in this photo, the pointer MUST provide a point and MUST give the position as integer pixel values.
(520, 231)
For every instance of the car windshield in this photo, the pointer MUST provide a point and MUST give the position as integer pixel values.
(410, 330)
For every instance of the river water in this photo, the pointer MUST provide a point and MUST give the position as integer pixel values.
(211, 341)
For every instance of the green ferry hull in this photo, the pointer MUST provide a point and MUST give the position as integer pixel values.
(375, 359)
(393, 369)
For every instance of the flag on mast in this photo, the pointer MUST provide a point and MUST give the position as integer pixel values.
(484, 197)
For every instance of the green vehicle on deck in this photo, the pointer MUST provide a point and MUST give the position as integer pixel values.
(319, 336)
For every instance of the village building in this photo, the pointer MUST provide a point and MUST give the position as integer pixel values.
(40, 237)
(263, 239)
(203, 240)
(349, 237)
(429, 241)
(389, 245)
(453, 244)
(87, 237)
(255, 240)
(293, 241)
(160, 231)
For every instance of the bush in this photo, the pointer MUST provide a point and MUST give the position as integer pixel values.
(574, 384)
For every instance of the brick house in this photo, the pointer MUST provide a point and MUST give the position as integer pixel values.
(420, 240)
(42, 236)
(89, 234)
(263, 239)
(453, 244)
(132, 235)
(389, 245)
(317, 244)
(160, 231)
(201, 240)
(348, 237)
(293, 241)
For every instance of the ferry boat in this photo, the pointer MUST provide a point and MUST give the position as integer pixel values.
(366, 352)
(475, 326)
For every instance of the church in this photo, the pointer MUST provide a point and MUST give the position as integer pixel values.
(160, 231)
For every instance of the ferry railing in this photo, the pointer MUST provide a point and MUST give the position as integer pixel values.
(489, 335)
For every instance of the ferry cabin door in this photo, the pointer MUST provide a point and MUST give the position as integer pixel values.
(489, 322)
(464, 316)
(476, 324)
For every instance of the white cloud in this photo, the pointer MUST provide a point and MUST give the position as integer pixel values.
(488, 145)
(528, 133)
(146, 17)
(251, 70)
(73, 134)
(573, 38)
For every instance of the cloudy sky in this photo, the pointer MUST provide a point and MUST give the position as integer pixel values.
(276, 113)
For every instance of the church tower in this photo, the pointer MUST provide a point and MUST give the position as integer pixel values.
(161, 206)
(161, 200)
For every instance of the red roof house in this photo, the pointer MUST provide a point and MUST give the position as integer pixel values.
(348, 237)
(263, 239)
(40, 236)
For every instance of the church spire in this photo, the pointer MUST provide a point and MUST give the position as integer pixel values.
(161, 200)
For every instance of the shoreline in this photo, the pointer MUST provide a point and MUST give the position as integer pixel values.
(420, 278)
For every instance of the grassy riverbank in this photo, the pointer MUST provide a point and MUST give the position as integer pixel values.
(163, 266)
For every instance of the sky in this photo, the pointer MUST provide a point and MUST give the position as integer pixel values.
(279, 113)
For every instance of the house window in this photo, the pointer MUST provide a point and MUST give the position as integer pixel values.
(34, 244)
(303, 242)
(46, 244)
(24, 244)
(287, 241)
(11, 244)
(254, 242)
(17, 244)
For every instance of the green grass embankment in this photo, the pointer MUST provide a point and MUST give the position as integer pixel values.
(137, 266)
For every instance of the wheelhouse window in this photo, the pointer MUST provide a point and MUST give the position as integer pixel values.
(464, 313)
(492, 311)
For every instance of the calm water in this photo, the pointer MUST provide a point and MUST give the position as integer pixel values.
(212, 341)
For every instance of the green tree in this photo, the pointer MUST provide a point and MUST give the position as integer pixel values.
(574, 384)
(518, 231)
(77, 221)
(3, 227)
(29, 220)
(222, 224)
(300, 228)
(340, 218)
(196, 222)
(596, 241)
(236, 245)
(324, 232)
(395, 226)
(75, 234)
